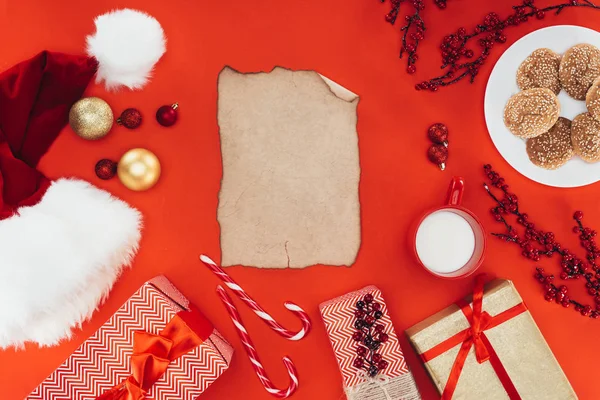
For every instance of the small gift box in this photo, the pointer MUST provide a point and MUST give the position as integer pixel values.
(366, 347)
(489, 347)
(155, 346)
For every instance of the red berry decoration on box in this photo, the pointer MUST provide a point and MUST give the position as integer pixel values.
(106, 169)
(535, 243)
(131, 118)
(167, 115)
(369, 336)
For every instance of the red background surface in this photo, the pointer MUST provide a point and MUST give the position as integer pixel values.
(349, 42)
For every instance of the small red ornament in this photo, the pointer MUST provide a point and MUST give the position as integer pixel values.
(167, 115)
(106, 169)
(438, 133)
(438, 154)
(131, 118)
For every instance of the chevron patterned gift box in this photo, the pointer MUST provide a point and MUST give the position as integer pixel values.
(157, 313)
(395, 381)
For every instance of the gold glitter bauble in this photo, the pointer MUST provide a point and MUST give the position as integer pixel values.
(139, 169)
(91, 118)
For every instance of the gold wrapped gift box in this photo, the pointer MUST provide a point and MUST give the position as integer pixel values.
(517, 343)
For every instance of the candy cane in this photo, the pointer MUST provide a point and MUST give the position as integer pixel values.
(258, 310)
(253, 355)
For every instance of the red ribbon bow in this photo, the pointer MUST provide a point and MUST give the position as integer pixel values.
(480, 321)
(152, 354)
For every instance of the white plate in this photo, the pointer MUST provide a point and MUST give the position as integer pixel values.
(503, 84)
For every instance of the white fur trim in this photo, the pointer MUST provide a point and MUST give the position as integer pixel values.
(127, 44)
(59, 259)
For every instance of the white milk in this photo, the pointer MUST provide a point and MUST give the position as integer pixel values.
(445, 242)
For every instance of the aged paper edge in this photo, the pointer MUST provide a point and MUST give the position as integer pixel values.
(340, 92)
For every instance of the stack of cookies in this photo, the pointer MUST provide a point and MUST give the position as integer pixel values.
(533, 113)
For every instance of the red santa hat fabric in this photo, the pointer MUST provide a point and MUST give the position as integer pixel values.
(63, 243)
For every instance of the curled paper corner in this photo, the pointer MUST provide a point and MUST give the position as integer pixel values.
(291, 170)
(339, 90)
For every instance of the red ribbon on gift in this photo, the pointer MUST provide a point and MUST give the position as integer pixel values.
(152, 354)
(480, 321)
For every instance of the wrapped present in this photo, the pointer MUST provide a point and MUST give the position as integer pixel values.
(488, 347)
(155, 346)
(366, 347)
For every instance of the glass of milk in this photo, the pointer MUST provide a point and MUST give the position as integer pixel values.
(449, 241)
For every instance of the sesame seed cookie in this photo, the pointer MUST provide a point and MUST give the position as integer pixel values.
(592, 99)
(579, 67)
(531, 112)
(552, 149)
(540, 70)
(585, 135)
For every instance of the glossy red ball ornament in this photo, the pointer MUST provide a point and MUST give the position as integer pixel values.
(167, 115)
(131, 118)
(106, 169)
(438, 154)
(438, 133)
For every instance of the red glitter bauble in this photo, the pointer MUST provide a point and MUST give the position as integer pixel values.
(438, 154)
(131, 118)
(167, 115)
(106, 169)
(438, 133)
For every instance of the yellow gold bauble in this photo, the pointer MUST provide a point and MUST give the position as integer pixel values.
(139, 169)
(91, 118)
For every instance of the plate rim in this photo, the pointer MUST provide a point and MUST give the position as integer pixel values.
(488, 111)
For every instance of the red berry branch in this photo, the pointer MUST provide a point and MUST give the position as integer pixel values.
(535, 243)
(369, 336)
(458, 47)
(413, 30)
(458, 50)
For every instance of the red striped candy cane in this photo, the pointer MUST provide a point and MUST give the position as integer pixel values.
(258, 310)
(253, 355)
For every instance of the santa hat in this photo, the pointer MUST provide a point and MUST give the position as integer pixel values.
(63, 243)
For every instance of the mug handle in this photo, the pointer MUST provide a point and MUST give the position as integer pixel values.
(455, 191)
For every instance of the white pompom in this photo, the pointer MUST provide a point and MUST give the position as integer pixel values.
(127, 44)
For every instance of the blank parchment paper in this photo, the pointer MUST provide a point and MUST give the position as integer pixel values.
(289, 194)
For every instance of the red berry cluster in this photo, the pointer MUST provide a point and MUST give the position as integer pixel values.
(535, 243)
(413, 28)
(458, 52)
(438, 151)
(369, 335)
(442, 4)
